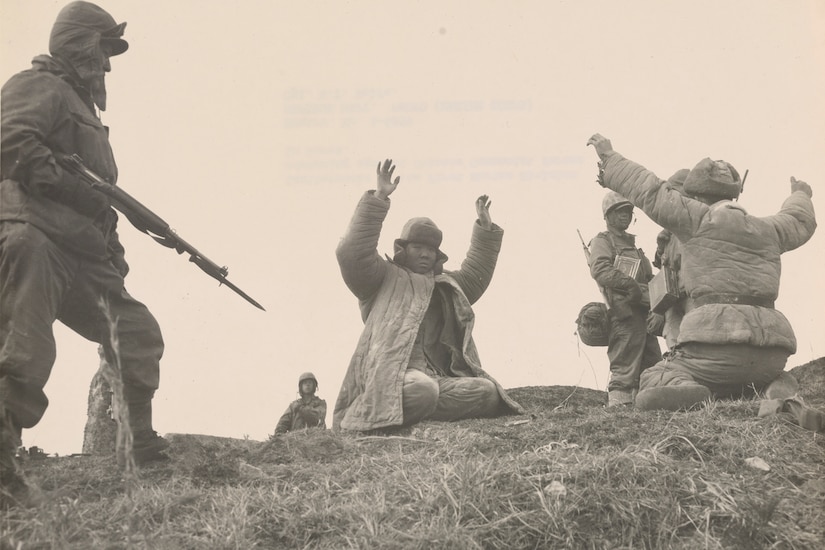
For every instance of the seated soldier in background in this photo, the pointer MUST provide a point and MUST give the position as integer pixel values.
(309, 411)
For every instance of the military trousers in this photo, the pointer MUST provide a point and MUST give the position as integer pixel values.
(40, 283)
(630, 350)
(447, 398)
(727, 370)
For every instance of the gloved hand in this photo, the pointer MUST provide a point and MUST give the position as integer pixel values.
(662, 239)
(655, 324)
(76, 194)
(661, 242)
(631, 290)
(799, 185)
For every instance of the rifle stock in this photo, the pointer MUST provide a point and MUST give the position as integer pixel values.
(604, 291)
(150, 223)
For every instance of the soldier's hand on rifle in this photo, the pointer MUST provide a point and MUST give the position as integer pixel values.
(483, 210)
(799, 185)
(386, 185)
(602, 145)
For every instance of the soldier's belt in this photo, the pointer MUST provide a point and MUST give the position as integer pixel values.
(738, 299)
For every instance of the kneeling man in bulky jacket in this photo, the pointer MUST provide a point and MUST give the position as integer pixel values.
(731, 338)
(416, 358)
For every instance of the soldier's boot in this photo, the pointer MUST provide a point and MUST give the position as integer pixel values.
(617, 398)
(672, 398)
(147, 445)
(13, 488)
(794, 410)
(804, 416)
(783, 387)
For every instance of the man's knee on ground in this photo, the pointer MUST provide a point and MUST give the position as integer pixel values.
(466, 398)
(419, 396)
(664, 374)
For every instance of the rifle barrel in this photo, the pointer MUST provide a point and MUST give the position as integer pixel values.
(150, 223)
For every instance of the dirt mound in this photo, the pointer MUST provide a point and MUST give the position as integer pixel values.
(544, 398)
(811, 378)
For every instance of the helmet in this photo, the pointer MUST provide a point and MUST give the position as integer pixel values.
(612, 201)
(307, 376)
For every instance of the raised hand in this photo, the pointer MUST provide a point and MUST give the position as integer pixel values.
(601, 144)
(799, 185)
(483, 210)
(386, 185)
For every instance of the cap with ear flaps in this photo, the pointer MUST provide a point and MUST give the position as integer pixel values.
(421, 231)
(713, 178)
(80, 26)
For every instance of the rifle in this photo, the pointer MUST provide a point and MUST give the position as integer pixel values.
(150, 223)
(587, 257)
(584, 246)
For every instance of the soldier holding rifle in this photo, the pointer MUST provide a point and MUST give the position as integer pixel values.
(60, 256)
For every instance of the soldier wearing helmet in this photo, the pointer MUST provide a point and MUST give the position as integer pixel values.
(309, 411)
(622, 272)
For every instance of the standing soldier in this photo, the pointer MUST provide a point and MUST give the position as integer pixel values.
(60, 257)
(623, 271)
(309, 411)
(669, 256)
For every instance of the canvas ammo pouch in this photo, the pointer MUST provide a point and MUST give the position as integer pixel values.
(664, 290)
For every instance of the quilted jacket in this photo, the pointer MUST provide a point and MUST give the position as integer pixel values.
(393, 301)
(725, 251)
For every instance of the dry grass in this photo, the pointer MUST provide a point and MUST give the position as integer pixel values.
(573, 476)
(112, 372)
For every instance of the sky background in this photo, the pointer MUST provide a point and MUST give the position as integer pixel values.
(254, 126)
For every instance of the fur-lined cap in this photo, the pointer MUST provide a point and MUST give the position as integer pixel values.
(80, 27)
(421, 231)
(713, 178)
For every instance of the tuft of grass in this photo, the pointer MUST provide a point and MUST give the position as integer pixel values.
(112, 372)
(570, 474)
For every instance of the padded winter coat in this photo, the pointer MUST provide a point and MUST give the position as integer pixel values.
(47, 112)
(725, 253)
(393, 301)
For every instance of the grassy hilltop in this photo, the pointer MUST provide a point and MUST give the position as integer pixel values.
(570, 475)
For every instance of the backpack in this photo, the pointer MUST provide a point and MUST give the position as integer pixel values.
(593, 325)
